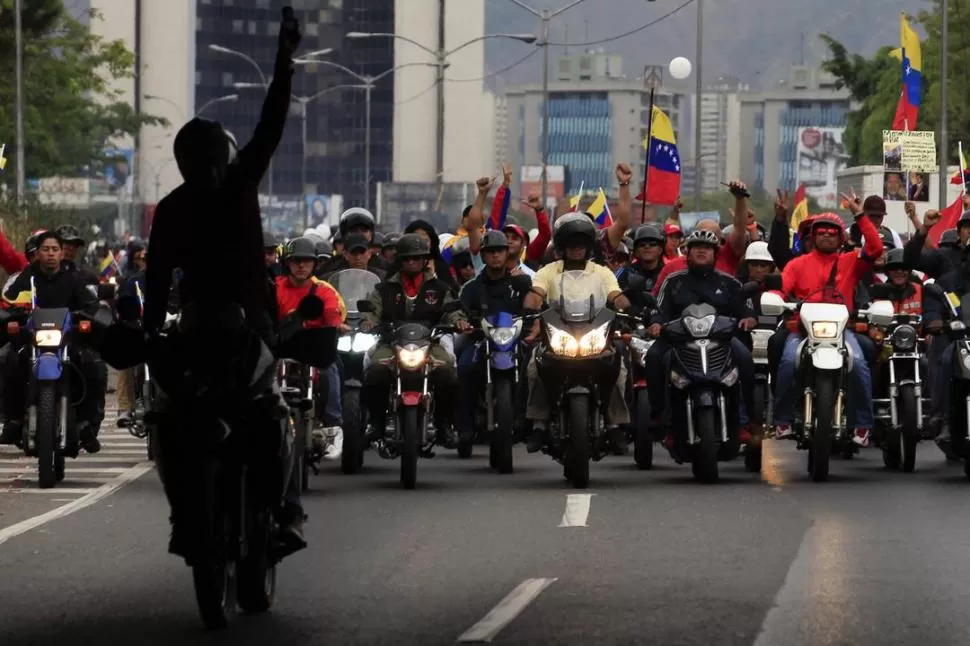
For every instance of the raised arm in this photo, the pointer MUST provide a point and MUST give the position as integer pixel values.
(622, 221)
(476, 215)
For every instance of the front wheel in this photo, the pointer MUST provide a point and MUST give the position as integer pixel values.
(214, 575)
(45, 437)
(704, 458)
(500, 446)
(822, 430)
(409, 446)
(643, 443)
(352, 458)
(910, 431)
(256, 582)
(577, 456)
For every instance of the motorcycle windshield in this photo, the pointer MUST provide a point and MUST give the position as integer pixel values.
(581, 296)
(354, 285)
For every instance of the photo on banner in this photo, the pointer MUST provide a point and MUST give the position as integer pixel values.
(909, 158)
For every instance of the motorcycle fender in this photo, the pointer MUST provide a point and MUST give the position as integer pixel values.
(48, 367)
(353, 383)
(704, 398)
(503, 360)
(578, 390)
(827, 358)
(411, 398)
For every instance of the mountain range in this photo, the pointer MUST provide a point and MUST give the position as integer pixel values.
(756, 41)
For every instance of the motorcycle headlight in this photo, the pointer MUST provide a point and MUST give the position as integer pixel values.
(363, 342)
(957, 326)
(699, 327)
(594, 341)
(47, 338)
(678, 380)
(344, 344)
(639, 348)
(825, 329)
(411, 356)
(904, 338)
(562, 342)
(503, 335)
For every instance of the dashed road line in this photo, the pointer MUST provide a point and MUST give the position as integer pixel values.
(485, 630)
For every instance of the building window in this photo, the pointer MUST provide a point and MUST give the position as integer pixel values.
(251, 27)
(237, 26)
(198, 77)
(325, 17)
(227, 79)
(198, 23)
(311, 29)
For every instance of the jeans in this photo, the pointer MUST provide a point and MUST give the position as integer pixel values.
(658, 369)
(858, 395)
(333, 411)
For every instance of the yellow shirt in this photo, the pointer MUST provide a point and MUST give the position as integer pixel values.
(547, 279)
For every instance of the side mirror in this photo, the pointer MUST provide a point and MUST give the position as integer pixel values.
(106, 291)
(880, 292)
(129, 308)
(881, 312)
(773, 282)
(521, 283)
(750, 288)
(365, 306)
(772, 304)
(310, 308)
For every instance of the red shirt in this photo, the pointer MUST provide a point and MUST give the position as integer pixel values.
(288, 297)
(726, 262)
(412, 284)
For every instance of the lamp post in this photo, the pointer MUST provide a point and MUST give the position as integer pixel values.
(222, 99)
(944, 135)
(264, 83)
(546, 16)
(441, 56)
(19, 108)
(698, 90)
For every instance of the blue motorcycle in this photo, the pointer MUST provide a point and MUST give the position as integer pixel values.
(502, 368)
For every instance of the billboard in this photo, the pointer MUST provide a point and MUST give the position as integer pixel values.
(821, 155)
(531, 180)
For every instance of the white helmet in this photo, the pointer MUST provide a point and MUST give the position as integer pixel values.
(443, 240)
(758, 251)
(323, 230)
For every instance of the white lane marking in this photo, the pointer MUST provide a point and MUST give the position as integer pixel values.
(87, 500)
(577, 510)
(507, 609)
(32, 468)
(57, 491)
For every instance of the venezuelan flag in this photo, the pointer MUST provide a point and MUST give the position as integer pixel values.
(500, 209)
(663, 174)
(798, 215)
(577, 198)
(911, 55)
(108, 266)
(599, 210)
(962, 176)
(3, 160)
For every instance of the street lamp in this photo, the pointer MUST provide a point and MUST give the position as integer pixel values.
(265, 85)
(546, 15)
(440, 63)
(211, 102)
(368, 83)
(698, 90)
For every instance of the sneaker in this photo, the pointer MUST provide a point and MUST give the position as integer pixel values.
(125, 419)
(744, 435)
(88, 440)
(536, 439)
(784, 431)
(861, 437)
(335, 443)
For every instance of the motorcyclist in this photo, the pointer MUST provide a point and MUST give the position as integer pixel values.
(701, 282)
(412, 294)
(674, 239)
(828, 276)
(494, 290)
(936, 262)
(324, 253)
(271, 254)
(389, 247)
(132, 284)
(648, 250)
(875, 208)
(357, 255)
(462, 265)
(219, 201)
(518, 247)
(360, 222)
(73, 243)
(56, 286)
(296, 283)
(575, 237)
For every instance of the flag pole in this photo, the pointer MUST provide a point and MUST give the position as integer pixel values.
(646, 160)
(963, 171)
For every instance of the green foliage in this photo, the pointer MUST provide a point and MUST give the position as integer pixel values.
(71, 105)
(875, 83)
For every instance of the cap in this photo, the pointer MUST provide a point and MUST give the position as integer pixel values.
(874, 205)
(673, 230)
(356, 242)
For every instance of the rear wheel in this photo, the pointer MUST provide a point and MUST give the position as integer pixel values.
(822, 430)
(352, 458)
(256, 584)
(45, 437)
(577, 455)
(214, 574)
(704, 458)
(409, 446)
(501, 440)
(643, 444)
(910, 426)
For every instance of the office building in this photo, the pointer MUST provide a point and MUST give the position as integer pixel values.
(720, 117)
(598, 117)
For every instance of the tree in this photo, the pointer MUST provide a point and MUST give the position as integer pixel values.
(71, 109)
(875, 84)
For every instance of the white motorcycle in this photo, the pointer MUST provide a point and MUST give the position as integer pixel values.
(821, 365)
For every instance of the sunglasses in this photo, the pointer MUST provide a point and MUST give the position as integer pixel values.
(649, 243)
(826, 231)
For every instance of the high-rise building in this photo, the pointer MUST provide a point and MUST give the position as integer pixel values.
(597, 118)
(720, 117)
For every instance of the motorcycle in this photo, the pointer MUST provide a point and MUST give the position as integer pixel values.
(354, 285)
(47, 336)
(501, 332)
(411, 402)
(296, 386)
(762, 410)
(577, 365)
(644, 436)
(821, 366)
(897, 338)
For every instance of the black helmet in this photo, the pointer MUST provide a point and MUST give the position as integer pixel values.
(571, 226)
(652, 232)
(324, 250)
(269, 240)
(390, 240)
(356, 217)
(70, 235)
(411, 245)
(377, 240)
(894, 259)
(495, 240)
(888, 241)
(33, 242)
(337, 237)
(949, 238)
(201, 146)
(300, 249)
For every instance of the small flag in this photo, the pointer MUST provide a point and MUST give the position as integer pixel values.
(576, 199)
(108, 266)
(962, 176)
(599, 210)
(948, 220)
(798, 214)
(911, 54)
(663, 160)
(3, 160)
(500, 209)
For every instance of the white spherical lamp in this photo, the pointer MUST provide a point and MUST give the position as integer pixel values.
(680, 68)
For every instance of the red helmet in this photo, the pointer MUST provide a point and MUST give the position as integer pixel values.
(832, 220)
(805, 228)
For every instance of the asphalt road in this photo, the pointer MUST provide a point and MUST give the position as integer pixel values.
(646, 558)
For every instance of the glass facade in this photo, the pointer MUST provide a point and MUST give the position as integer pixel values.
(581, 138)
(336, 120)
(803, 114)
